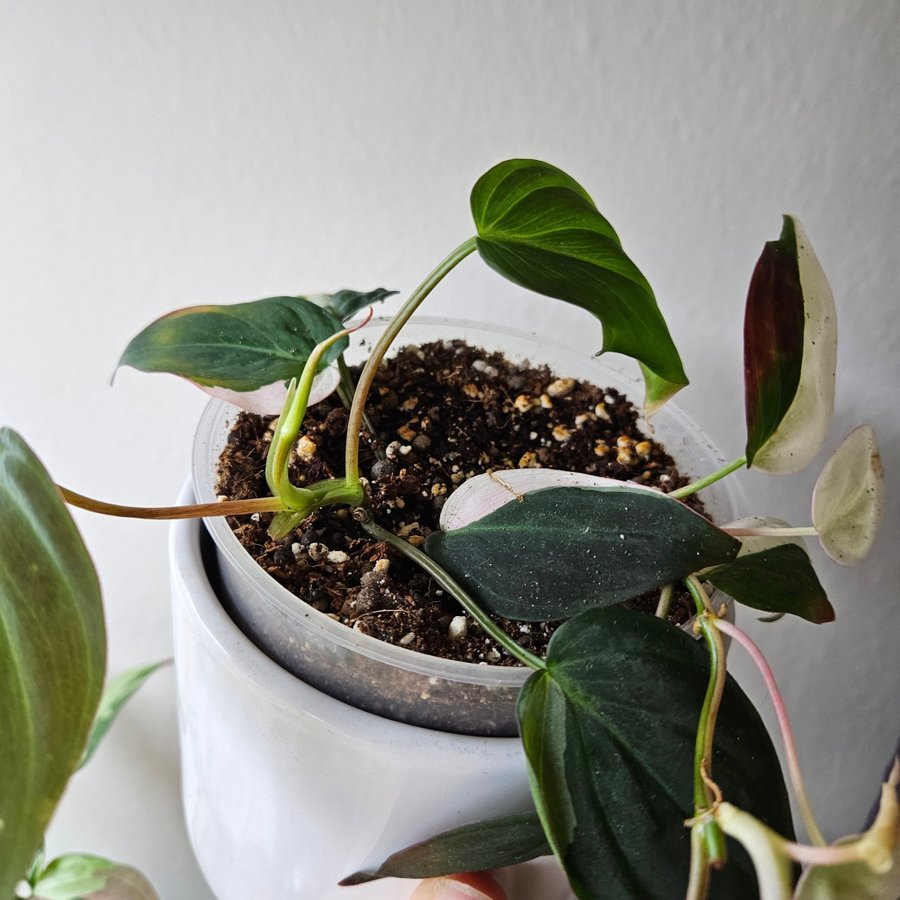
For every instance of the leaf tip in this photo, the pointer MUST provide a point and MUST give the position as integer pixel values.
(356, 878)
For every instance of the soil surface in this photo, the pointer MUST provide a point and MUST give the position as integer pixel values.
(443, 412)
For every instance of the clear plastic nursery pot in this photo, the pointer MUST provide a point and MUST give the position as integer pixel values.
(358, 669)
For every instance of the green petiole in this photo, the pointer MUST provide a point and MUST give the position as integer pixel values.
(453, 588)
(301, 502)
(701, 483)
(705, 797)
(367, 376)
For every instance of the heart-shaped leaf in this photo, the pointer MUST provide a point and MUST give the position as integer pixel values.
(609, 730)
(559, 551)
(239, 351)
(790, 354)
(52, 653)
(492, 844)
(117, 693)
(778, 580)
(540, 229)
(848, 499)
(345, 303)
(78, 876)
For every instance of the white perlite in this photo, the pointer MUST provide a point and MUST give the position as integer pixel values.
(459, 627)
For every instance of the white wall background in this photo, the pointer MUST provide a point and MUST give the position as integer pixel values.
(165, 153)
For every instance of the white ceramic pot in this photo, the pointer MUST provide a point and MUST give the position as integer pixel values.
(292, 783)
(287, 790)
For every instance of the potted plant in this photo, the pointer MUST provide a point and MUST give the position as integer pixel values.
(628, 726)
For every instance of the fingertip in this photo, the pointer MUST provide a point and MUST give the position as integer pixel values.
(465, 886)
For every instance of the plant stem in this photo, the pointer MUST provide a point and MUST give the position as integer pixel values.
(346, 390)
(193, 511)
(665, 601)
(364, 517)
(784, 723)
(695, 486)
(698, 882)
(288, 427)
(367, 376)
(805, 531)
(704, 799)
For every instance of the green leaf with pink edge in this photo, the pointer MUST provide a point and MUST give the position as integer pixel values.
(52, 653)
(790, 353)
(848, 499)
(540, 229)
(244, 353)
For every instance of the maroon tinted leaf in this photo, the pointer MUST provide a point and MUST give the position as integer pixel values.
(773, 338)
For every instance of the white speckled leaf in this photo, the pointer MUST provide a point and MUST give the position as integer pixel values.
(803, 429)
(481, 495)
(848, 500)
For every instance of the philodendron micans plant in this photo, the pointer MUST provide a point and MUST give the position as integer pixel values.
(651, 772)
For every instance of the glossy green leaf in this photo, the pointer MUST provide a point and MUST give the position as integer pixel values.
(608, 730)
(848, 499)
(117, 693)
(778, 580)
(78, 876)
(790, 353)
(346, 303)
(492, 844)
(52, 653)
(559, 551)
(239, 349)
(540, 229)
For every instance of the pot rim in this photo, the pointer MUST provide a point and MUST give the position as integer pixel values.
(331, 630)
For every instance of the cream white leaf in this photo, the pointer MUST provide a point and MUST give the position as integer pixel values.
(848, 500)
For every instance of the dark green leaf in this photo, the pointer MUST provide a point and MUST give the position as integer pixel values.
(118, 692)
(779, 580)
(52, 653)
(504, 841)
(77, 876)
(560, 551)
(609, 730)
(242, 347)
(790, 347)
(345, 303)
(540, 229)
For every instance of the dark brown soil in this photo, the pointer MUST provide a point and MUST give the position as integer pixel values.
(443, 412)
